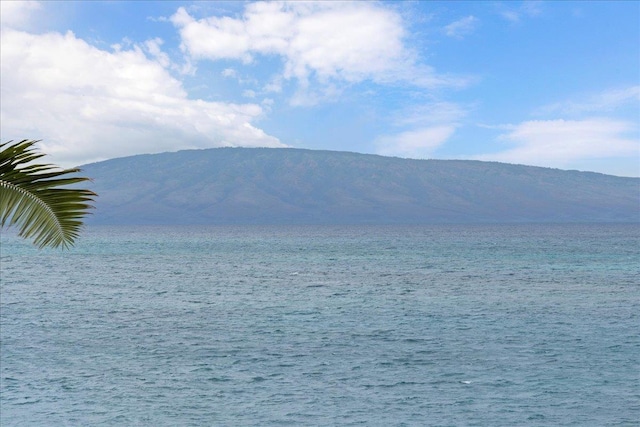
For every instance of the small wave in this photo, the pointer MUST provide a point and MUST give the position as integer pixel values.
(218, 379)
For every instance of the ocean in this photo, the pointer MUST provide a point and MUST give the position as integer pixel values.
(443, 325)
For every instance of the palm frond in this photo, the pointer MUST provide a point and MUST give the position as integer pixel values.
(36, 198)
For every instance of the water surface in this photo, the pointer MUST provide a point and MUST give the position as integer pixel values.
(497, 325)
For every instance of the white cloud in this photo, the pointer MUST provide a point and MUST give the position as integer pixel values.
(510, 15)
(417, 143)
(274, 86)
(324, 42)
(89, 104)
(431, 113)
(462, 27)
(603, 102)
(153, 46)
(18, 14)
(229, 72)
(431, 125)
(527, 9)
(560, 143)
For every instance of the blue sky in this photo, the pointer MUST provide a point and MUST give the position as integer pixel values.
(554, 84)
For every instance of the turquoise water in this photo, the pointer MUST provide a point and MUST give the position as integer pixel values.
(514, 325)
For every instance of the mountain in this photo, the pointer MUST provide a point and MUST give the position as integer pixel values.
(282, 185)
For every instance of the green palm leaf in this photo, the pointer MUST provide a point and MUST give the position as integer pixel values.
(36, 198)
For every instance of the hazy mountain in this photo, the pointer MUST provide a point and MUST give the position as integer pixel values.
(263, 185)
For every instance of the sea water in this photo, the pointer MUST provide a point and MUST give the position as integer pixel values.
(448, 325)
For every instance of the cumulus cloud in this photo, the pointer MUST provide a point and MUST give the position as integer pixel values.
(18, 14)
(153, 46)
(326, 42)
(559, 143)
(462, 27)
(89, 104)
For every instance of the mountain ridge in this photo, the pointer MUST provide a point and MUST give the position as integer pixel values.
(289, 185)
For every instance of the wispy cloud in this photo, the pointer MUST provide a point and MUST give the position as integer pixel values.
(229, 72)
(559, 143)
(462, 27)
(440, 112)
(516, 14)
(416, 143)
(427, 127)
(602, 102)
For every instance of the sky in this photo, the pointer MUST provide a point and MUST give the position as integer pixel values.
(552, 84)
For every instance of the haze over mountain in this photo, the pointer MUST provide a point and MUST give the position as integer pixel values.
(282, 185)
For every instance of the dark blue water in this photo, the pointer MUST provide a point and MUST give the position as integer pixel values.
(527, 325)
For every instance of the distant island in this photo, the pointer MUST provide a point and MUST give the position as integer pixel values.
(297, 186)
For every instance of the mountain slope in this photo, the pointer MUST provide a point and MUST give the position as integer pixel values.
(265, 185)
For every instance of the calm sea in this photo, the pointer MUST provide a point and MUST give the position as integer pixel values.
(502, 325)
